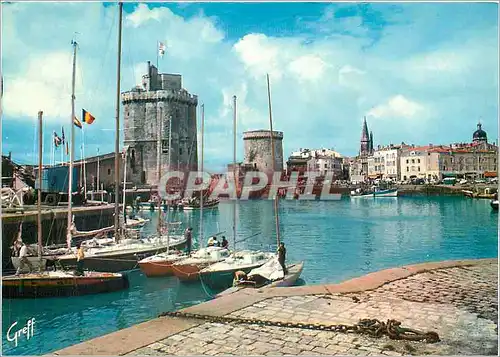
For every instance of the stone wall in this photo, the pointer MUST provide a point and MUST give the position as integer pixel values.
(258, 153)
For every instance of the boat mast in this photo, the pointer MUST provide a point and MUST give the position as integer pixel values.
(39, 201)
(124, 181)
(234, 172)
(117, 126)
(72, 150)
(202, 173)
(169, 162)
(158, 162)
(274, 161)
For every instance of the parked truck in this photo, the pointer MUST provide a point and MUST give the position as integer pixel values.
(55, 182)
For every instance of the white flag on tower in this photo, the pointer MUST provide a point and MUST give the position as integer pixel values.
(161, 48)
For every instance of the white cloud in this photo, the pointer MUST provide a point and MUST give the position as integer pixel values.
(308, 67)
(43, 86)
(397, 107)
(144, 14)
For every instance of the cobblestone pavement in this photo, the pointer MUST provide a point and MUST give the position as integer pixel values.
(460, 304)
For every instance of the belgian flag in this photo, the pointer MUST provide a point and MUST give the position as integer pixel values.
(87, 117)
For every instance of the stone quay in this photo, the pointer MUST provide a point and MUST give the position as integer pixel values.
(456, 299)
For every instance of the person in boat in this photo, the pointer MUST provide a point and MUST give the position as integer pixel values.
(138, 202)
(23, 259)
(240, 278)
(225, 243)
(80, 256)
(282, 256)
(189, 236)
(212, 242)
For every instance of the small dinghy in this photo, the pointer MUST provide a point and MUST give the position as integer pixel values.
(269, 275)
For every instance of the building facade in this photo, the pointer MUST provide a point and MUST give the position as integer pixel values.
(159, 116)
(258, 150)
(461, 160)
(385, 162)
(323, 161)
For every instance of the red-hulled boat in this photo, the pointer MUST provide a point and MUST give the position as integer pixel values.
(188, 269)
(161, 264)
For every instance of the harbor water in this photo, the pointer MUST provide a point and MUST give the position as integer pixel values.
(337, 240)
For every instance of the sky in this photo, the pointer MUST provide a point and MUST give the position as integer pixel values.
(420, 72)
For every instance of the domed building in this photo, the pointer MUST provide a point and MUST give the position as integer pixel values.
(479, 135)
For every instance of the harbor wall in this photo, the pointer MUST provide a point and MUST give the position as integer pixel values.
(54, 225)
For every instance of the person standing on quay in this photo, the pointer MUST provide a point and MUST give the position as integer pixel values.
(282, 256)
(23, 259)
(188, 236)
(80, 256)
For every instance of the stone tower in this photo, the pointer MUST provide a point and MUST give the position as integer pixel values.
(148, 112)
(258, 151)
(365, 140)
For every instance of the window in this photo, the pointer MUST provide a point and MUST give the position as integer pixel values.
(164, 146)
(419, 168)
(418, 161)
(407, 161)
(109, 172)
(180, 151)
(326, 166)
(407, 169)
(412, 161)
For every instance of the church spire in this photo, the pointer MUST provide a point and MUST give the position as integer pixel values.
(365, 139)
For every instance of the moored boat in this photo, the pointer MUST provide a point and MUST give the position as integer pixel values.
(161, 264)
(58, 283)
(375, 193)
(189, 205)
(189, 269)
(494, 204)
(270, 275)
(123, 256)
(220, 275)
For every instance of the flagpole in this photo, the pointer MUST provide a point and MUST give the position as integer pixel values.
(52, 148)
(84, 165)
(62, 152)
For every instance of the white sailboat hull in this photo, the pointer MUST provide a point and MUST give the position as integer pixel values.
(35, 262)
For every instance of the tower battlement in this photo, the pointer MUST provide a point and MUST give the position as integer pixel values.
(169, 95)
(262, 134)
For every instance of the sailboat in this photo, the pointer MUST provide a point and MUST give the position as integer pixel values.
(220, 275)
(161, 264)
(122, 252)
(188, 269)
(57, 283)
(270, 273)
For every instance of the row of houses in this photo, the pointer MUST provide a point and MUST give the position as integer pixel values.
(403, 162)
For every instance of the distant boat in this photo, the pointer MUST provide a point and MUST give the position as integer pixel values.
(376, 193)
(270, 275)
(494, 204)
(187, 205)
